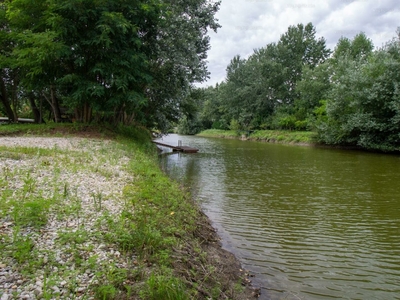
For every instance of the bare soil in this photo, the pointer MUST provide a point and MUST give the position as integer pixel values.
(225, 268)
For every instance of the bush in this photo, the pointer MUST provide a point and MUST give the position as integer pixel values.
(234, 125)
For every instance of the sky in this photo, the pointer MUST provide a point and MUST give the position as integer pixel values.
(252, 24)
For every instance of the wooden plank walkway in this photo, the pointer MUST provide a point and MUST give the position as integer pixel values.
(185, 149)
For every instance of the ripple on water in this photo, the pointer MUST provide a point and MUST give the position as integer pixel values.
(311, 223)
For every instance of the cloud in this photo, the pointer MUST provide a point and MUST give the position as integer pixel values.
(252, 24)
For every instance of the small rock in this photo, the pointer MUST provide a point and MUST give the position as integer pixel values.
(38, 291)
(2, 266)
(29, 287)
(63, 283)
(39, 283)
(5, 297)
(55, 289)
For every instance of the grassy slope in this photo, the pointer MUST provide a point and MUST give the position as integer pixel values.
(281, 136)
(168, 246)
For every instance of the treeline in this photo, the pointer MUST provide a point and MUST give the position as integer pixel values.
(110, 61)
(348, 96)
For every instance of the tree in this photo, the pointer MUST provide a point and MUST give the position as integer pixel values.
(360, 47)
(363, 105)
(179, 56)
(312, 88)
(5, 71)
(116, 61)
(257, 87)
(298, 48)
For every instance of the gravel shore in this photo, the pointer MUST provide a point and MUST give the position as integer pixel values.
(78, 183)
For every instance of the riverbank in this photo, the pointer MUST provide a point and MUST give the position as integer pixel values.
(272, 136)
(86, 213)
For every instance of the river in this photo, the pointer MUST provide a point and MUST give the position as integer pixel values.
(310, 223)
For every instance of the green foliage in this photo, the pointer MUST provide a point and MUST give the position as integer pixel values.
(161, 287)
(219, 133)
(217, 125)
(350, 98)
(186, 126)
(358, 48)
(256, 87)
(299, 48)
(31, 213)
(234, 125)
(287, 122)
(362, 109)
(301, 125)
(73, 237)
(22, 247)
(312, 88)
(265, 135)
(105, 292)
(108, 61)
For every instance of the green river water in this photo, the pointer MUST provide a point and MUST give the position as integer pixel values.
(310, 223)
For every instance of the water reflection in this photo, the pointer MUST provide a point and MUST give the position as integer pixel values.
(311, 223)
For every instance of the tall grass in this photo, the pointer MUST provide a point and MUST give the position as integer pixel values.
(281, 136)
(219, 133)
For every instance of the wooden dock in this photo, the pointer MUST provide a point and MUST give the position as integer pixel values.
(184, 149)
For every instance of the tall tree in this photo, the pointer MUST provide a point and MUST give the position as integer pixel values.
(179, 54)
(6, 73)
(359, 47)
(363, 104)
(299, 47)
(120, 61)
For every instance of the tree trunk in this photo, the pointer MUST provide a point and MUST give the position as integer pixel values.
(35, 110)
(14, 96)
(78, 115)
(41, 111)
(87, 112)
(55, 105)
(83, 113)
(5, 101)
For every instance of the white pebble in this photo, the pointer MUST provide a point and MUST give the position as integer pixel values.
(38, 291)
(39, 283)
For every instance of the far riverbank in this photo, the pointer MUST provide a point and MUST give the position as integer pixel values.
(272, 136)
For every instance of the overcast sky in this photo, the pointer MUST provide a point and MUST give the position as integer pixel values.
(251, 24)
